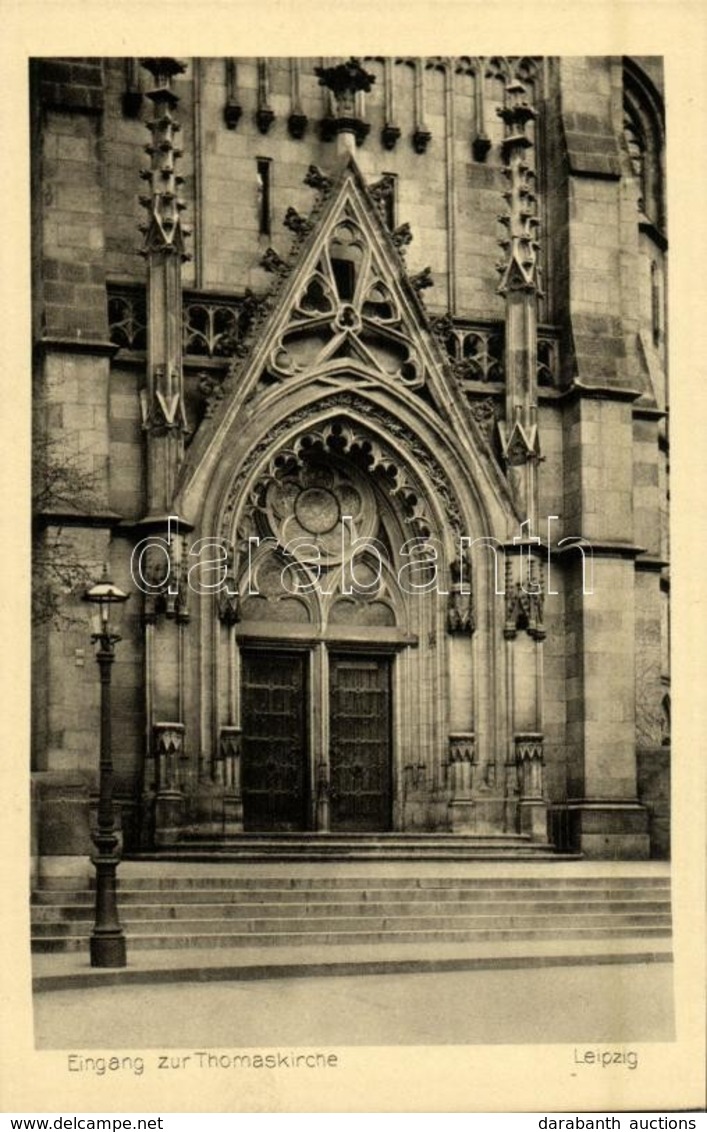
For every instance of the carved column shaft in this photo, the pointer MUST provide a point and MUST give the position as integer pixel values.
(169, 798)
(169, 746)
(520, 287)
(529, 764)
(162, 398)
(461, 767)
(462, 760)
(229, 758)
(529, 767)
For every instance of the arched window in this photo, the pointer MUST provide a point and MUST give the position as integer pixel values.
(644, 137)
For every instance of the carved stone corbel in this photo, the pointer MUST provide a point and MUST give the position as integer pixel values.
(297, 125)
(232, 111)
(390, 135)
(421, 138)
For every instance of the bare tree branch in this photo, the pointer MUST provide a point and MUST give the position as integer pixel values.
(61, 485)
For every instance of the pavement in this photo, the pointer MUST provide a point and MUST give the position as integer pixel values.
(72, 970)
(617, 1003)
(512, 991)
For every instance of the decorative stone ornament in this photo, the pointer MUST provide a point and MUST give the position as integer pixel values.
(264, 117)
(273, 263)
(315, 179)
(519, 284)
(421, 138)
(300, 225)
(348, 308)
(232, 111)
(297, 125)
(480, 148)
(402, 237)
(421, 280)
(520, 268)
(162, 399)
(525, 598)
(460, 603)
(383, 193)
(164, 230)
(232, 114)
(345, 81)
(212, 390)
(519, 443)
(390, 135)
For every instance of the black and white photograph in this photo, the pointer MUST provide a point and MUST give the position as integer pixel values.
(350, 603)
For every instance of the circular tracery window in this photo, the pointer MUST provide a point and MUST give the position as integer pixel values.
(319, 512)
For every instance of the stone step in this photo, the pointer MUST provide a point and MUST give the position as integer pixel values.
(363, 896)
(177, 909)
(189, 906)
(356, 846)
(382, 922)
(349, 840)
(315, 852)
(184, 882)
(290, 938)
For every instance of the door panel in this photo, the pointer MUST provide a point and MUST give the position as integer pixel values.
(360, 748)
(274, 778)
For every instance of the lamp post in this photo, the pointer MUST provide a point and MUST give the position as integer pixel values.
(107, 938)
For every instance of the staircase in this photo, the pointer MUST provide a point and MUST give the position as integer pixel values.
(358, 847)
(183, 905)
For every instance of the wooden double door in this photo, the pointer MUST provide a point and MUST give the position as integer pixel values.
(283, 764)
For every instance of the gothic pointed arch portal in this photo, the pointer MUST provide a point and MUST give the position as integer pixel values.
(329, 664)
(341, 680)
(344, 683)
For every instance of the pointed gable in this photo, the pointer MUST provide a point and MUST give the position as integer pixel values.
(345, 302)
(348, 305)
(342, 314)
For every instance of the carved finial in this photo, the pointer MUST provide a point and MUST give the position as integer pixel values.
(519, 270)
(344, 81)
(164, 230)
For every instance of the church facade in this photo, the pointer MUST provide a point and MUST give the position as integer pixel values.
(354, 373)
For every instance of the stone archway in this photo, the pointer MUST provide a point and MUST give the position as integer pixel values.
(341, 605)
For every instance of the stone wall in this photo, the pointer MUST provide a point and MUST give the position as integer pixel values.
(603, 471)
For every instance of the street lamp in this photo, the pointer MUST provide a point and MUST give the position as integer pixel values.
(107, 938)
